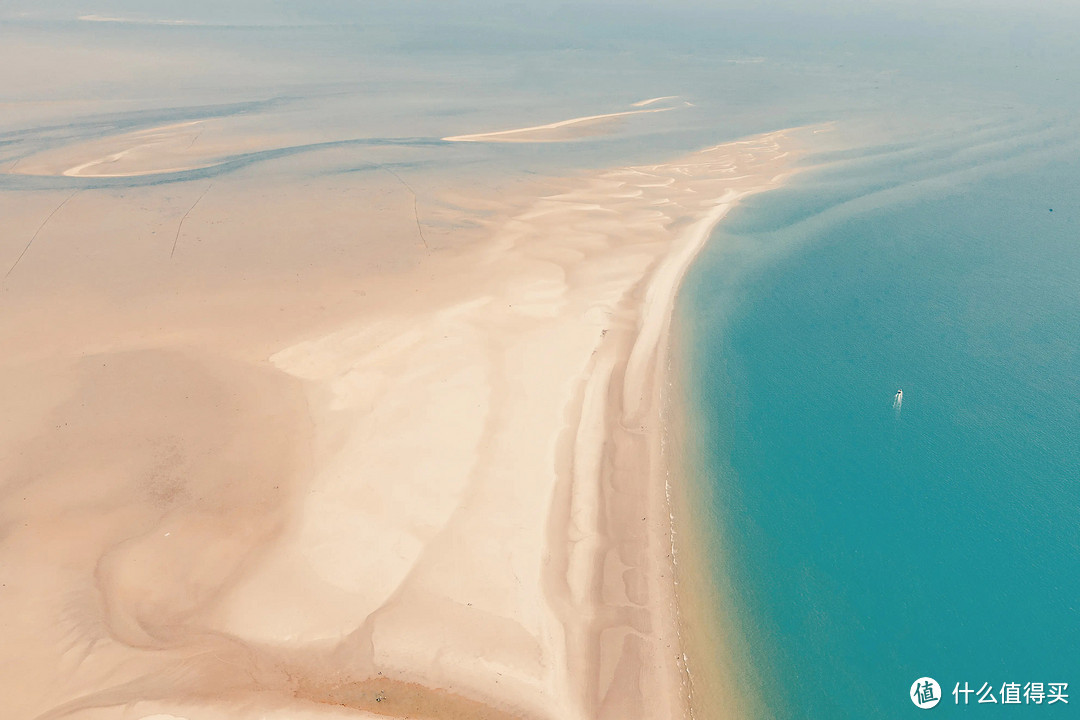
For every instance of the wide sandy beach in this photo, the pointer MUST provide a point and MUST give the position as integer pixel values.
(255, 469)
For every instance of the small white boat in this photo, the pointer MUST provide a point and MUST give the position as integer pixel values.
(898, 399)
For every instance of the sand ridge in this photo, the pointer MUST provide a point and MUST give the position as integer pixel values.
(525, 414)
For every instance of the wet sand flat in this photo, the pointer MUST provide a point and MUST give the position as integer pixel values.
(273, 450)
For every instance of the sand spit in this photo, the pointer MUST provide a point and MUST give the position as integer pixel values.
(448, 503)
(560, 131)
(172, 148)
(650, 101)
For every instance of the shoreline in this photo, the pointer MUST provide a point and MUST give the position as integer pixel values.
(714, 649)
(677, 496)
(713, 684)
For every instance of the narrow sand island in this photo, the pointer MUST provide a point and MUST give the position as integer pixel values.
(564, 130)
(480, 524)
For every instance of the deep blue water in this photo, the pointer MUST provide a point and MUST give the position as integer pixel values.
(862, 547)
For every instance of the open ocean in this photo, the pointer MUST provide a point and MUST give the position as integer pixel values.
(857, 547)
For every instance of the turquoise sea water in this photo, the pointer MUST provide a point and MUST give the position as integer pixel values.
(860, 547)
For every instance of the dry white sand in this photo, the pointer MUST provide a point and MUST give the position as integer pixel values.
(286, 475)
